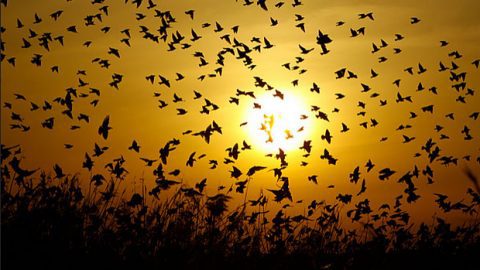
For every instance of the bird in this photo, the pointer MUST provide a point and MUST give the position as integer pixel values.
(476, 63)
(304, 50)
(135, 147)
(191, 160)
(407, 139)
(323, 40)
(273, 22)
(58, 171)
(301, 26)
(190, 13)
(368, 15)
(104, 127)
(414, 20)
(148, 162)
(327, 136)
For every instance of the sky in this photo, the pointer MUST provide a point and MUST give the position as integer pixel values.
(134, 112)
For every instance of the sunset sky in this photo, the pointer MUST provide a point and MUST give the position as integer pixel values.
(134, 112)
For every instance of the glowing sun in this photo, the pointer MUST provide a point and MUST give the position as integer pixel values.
(278, 120)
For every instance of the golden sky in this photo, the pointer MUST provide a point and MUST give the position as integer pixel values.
(134, 109)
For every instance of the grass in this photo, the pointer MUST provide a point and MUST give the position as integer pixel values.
(52, 223)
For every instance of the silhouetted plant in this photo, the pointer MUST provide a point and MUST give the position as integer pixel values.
(52, 222)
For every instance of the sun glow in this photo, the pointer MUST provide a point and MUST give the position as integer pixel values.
(278, 120)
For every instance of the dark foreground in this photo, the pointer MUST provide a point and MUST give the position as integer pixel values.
(52, 223)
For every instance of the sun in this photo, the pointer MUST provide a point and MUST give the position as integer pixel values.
(278, 120)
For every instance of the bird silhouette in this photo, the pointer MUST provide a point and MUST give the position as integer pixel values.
(323, 40)
(135, 147)
(104, 127)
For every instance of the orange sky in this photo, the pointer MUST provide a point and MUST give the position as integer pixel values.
(135, 115)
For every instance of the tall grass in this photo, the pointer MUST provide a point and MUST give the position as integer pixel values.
(52, 223)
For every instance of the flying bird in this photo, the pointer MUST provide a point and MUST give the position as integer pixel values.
(104, 127)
